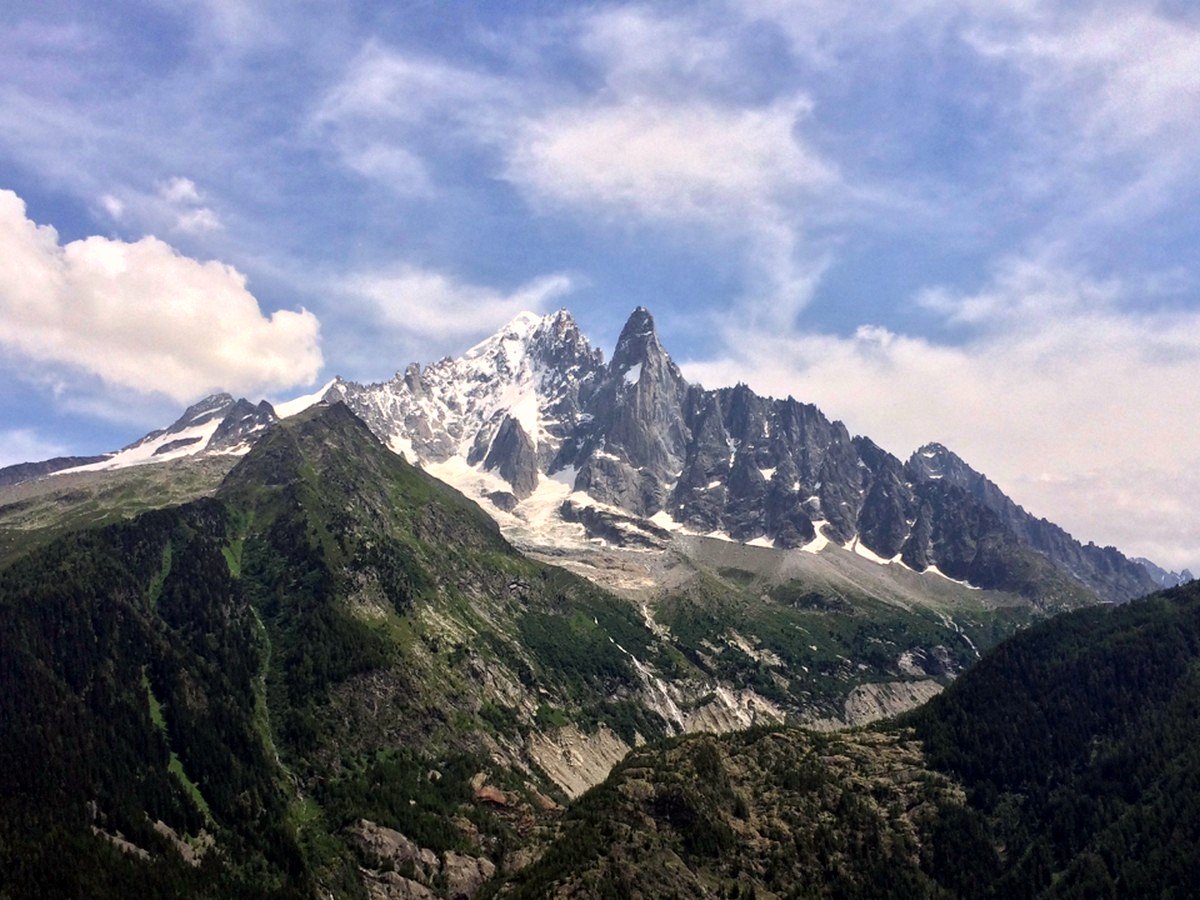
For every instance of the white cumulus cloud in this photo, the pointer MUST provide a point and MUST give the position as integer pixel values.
(142, 316)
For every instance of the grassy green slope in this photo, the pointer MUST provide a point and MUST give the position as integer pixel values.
(36, 512)
(408, 636)
(806, 646)
(338, 636)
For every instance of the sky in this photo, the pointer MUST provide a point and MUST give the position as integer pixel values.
(969, 221)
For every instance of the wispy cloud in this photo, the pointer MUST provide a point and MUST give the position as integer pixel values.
(646, 144)
(392, 114)
(23, 444)
(1108, 101)
(698, 161)
(434, 306)
(996, 191)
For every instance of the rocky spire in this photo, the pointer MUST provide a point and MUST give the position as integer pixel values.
(639, 437)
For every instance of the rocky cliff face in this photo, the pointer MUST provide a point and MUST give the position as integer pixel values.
(536, 373)
(634, 438)
(28, 471)
(1164, 577)
(1103, 569)
(633, 442)
(216, 425)
(533, 418)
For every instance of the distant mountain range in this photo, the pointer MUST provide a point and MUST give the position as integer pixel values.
(559, 445)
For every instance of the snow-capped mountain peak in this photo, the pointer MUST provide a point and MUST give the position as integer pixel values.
(560, 446)
(515, 393)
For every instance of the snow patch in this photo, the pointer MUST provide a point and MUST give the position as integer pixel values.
(404, 447)
(859, 548)
(818, 543)
(934, 570)
(663, 520)
(144, 451)
(289, 408)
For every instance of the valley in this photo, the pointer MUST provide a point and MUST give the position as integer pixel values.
(298, 663)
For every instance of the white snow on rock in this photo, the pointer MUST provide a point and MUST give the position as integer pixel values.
(289, 408)
(192, 440)
(934, 570)
(454, 406)
(859, 548)
(820, 542)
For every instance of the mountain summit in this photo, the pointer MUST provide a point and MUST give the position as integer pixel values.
(534, 424)
(532, 418)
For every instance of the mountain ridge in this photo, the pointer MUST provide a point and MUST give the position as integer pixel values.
(534, 424)
(336, 648)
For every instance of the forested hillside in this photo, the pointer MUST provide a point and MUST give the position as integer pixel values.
(1078, 740)
(205, 699)
(1064, 764)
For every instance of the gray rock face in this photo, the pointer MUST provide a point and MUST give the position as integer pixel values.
(240, 425)
(536, 399)
(767, 468)
(1102, 569)
(172, 446)
(513, 456)
(214, 406)
(643, 441)
(28, 471)
(1164, 578)
(624, 531)
(635, 439)
(535, 374)
(387, 853)
(464, 875)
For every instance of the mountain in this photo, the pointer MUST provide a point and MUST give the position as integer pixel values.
(562, 448)
(335, 656)
(532, 418)
(1063, 765)
(216, 425)
(334, 675)
(506, 405)
(761, 813)
(215, 699)
(1164, 577)
(1103, 569)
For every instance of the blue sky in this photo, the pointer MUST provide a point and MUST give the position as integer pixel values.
(965, 221)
